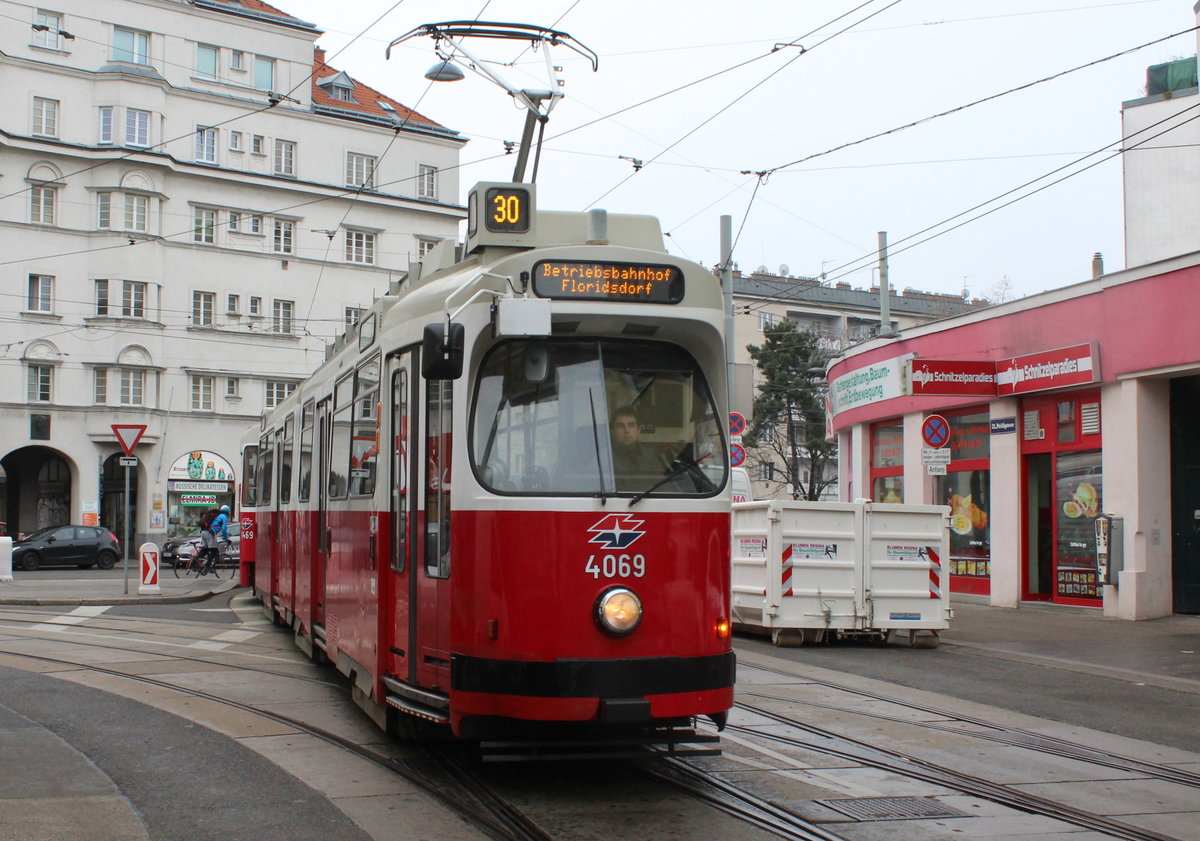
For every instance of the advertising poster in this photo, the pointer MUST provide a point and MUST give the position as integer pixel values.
(1078, 500)
(967, 493)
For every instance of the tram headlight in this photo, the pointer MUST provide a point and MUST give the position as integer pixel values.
(618, 611)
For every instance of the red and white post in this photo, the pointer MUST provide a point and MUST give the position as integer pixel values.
(150, 556)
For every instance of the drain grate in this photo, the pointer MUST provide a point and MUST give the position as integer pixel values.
(892, 808)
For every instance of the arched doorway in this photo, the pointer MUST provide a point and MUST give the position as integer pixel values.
(37, 489)
(112, 500)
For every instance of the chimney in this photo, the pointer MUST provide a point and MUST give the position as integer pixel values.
(318, 55)
(1097, 264)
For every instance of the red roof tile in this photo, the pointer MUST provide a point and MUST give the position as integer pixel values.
(366, 99)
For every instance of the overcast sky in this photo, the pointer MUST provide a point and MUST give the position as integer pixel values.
(898, 61)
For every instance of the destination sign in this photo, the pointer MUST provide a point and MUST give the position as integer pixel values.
(641, 282)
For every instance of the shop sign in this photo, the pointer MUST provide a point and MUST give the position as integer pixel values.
(202, 487)
(1060, 368)
(200, 464)
(952, 376)
(1003, 426)
(881, 381)
(198, 499)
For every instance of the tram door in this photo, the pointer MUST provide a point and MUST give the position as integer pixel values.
(431, 603)
(399, 590)
(321, 557)
(1185, 493)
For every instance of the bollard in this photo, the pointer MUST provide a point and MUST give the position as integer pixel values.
(150, 556)
(6, 560)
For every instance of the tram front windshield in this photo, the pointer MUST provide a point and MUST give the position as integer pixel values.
(595, 418)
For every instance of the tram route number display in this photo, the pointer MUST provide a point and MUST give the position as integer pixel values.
(648, 283)
(616, 566)
(507, 210)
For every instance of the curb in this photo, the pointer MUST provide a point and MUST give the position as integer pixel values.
(190, 596)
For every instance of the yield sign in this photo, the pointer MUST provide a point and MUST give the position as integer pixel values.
(128, 435)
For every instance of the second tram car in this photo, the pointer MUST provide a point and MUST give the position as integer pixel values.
(502, 504)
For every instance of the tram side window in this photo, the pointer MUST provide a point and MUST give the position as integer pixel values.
(287, 437)
(249, 476)
(306, 452)
(364, 454)
(340, 436)
(266, 470)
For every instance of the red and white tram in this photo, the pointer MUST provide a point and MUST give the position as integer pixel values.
(443, 512)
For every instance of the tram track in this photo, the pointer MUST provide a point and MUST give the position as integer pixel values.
(835, 744)
(986, 731)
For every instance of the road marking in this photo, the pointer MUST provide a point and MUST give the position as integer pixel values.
(236, 636)
(76, 616)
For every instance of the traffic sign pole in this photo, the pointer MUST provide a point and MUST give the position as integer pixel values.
(128, 436)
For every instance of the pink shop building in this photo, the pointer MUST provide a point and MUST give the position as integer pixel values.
(1031, 420)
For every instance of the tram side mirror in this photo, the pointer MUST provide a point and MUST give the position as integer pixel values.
(442, 352)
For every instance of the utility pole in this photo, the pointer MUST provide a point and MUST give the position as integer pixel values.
(727, 293)
(885, 292)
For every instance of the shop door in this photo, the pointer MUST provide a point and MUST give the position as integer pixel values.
(1185, 493)
(1062, 495)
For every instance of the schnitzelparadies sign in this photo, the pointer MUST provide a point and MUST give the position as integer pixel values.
(903, 376)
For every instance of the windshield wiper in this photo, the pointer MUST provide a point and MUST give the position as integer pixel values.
(683, 463)
(596, 438)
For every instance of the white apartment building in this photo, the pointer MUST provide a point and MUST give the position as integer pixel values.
(193, 206)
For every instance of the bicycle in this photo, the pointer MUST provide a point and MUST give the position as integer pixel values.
(198, 566)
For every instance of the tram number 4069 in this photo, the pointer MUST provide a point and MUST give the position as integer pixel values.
(616, 566)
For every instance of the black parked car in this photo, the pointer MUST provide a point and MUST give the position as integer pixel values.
(81, 546)
(182, 548)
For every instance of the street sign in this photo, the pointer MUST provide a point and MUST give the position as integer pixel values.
(737, 455)
(149, 569)
(737, 423)
(128, 435)
(935, 431)
(935, 469)
(128, 461)
(935, 455)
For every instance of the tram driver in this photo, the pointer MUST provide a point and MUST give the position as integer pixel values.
(634, 462)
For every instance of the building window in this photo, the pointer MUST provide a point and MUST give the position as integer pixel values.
(41, 204)
(106, 124)
(285, 157)
(887, 461)
(233, 304)
(231, 387)
(47, 30)
(100, 386)
(354, 315)
(341, 92)
(133, 386)
(206, 61)
(45, 117)
(237, 60)
(235, 141)
(360, 247)
(137, 127)
(101, 297)
(137, 210)
(427, 181)
(766, 472)
(281, 316)
(235, 222)
(206, 145)
(255, 306)
(39, 383)
(360, 170)
(104, 210)
(133, 299)
(130, 45)
(264, 73)
(282, 240)
(256, 224)
(41, 293)
(204, 227)
(424, 246)
(203, 304)
(202, 393)
(277, 392)
(256, 144)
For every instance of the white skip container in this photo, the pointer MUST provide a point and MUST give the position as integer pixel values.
(804, 570)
